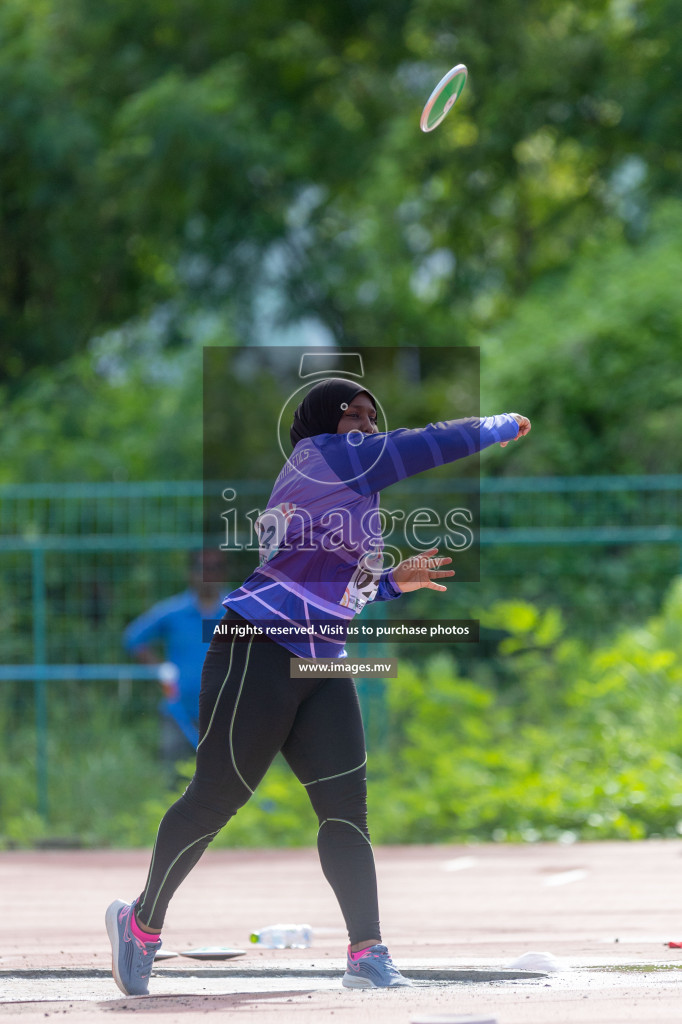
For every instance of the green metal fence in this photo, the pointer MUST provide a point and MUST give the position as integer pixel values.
(79, 561)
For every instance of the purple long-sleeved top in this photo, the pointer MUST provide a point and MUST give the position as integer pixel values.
(320, 537)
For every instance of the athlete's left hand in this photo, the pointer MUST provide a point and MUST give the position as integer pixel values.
(524, 427)
(420, 571)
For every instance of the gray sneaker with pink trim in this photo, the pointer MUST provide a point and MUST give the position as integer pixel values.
(372, 968)
(131, 958)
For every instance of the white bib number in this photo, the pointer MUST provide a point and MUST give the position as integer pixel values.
(271, 527)
(364, 583)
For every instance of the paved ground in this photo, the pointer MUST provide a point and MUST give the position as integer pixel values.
(604, 910)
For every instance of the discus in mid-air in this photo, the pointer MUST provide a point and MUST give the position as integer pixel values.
(443, 98)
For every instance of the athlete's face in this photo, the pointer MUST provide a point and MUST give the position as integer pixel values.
(360, 415)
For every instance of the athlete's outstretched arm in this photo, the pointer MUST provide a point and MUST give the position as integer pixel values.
(371, 462)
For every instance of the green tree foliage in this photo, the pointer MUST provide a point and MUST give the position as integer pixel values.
(581, 742)
(47, 150)
(208, 172)
(587, 742)
(78, 423)
(592, 355)
(196, 152)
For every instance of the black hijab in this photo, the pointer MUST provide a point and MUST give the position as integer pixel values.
(321, 409)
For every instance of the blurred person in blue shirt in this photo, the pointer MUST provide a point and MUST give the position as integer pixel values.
(169, 635)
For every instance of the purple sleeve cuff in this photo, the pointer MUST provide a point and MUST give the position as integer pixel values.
(503, 427)
(388, 588)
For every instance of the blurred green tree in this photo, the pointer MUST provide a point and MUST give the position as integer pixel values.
(223, 156)
(592, 354)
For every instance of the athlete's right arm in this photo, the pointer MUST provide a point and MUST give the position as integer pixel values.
(370, 462)
(150, 626)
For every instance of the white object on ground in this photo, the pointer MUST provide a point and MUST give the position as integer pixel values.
(565, 877)
(459, 863)
(536, 962)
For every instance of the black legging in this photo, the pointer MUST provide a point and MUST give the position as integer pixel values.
(249, 709)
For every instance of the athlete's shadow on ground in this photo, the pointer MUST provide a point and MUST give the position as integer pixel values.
(189, 1003)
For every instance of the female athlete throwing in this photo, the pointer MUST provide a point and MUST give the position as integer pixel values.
(320, 562)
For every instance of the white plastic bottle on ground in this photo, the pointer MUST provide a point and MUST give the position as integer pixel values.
(284, 936)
